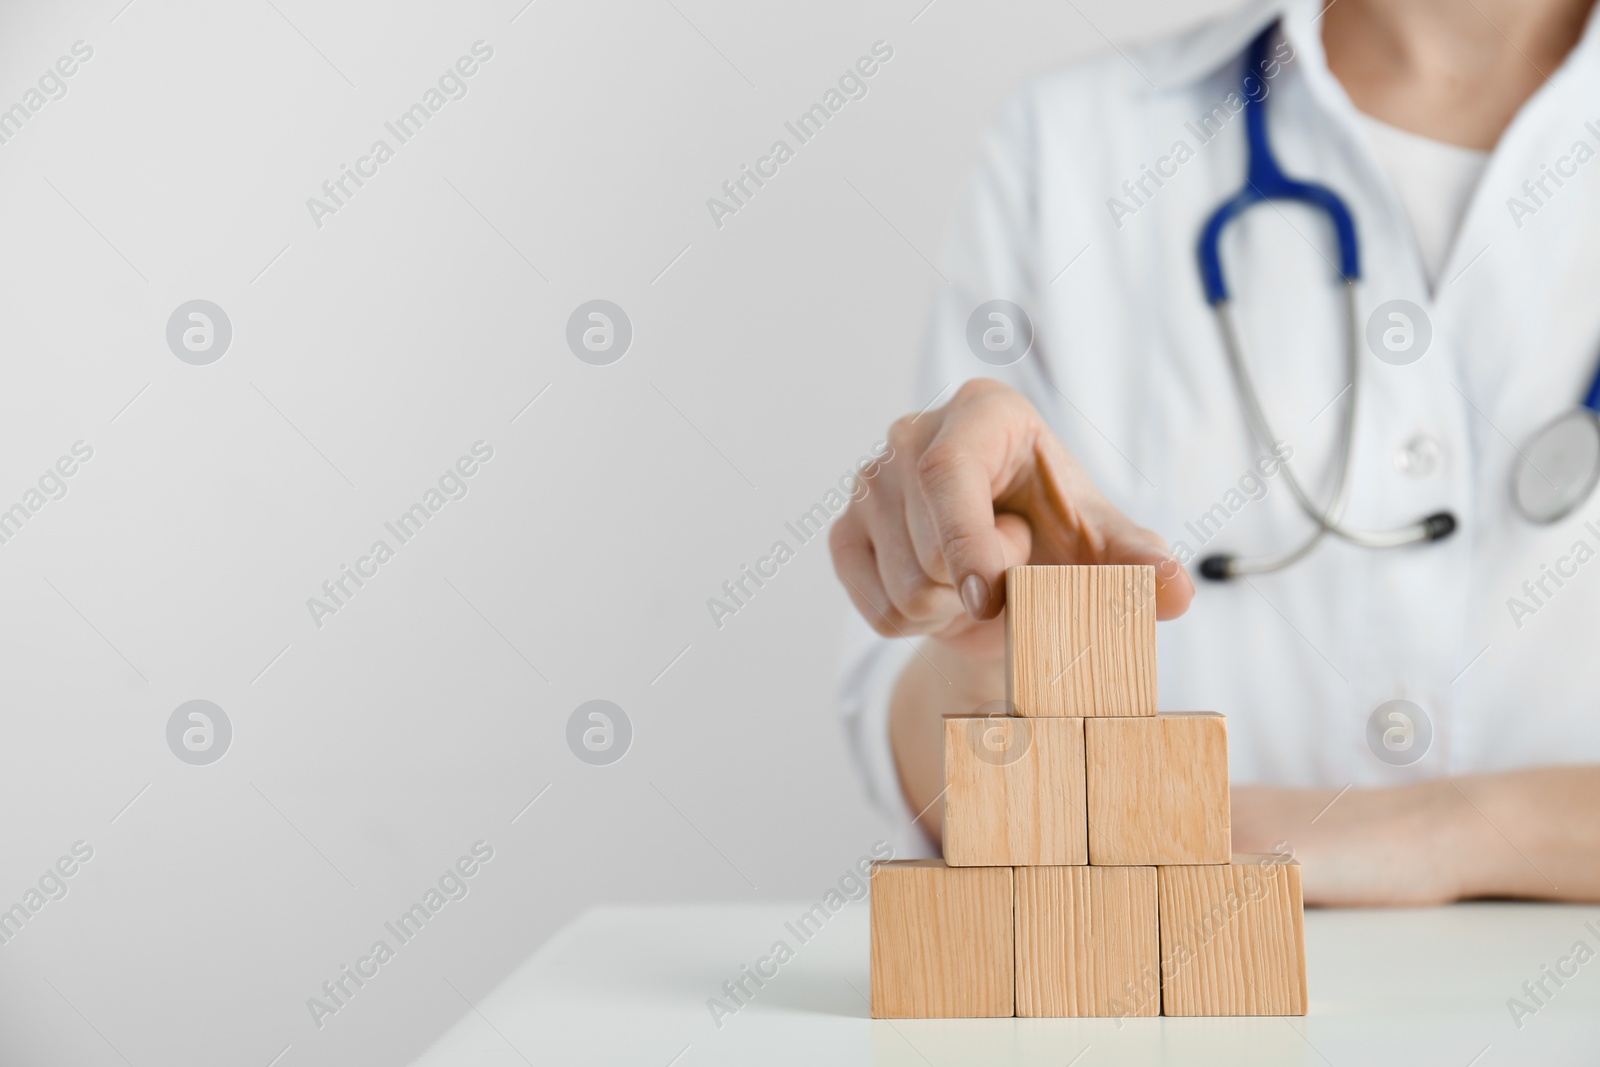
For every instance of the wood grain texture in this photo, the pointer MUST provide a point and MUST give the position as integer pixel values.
(1087, 941)
(1158, 789)
(1014, 792)
(942, 943)
(1081, 641)
(1233, 938)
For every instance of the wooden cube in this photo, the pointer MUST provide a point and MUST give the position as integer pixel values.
(942, 944)
(1233, 938)
(1087, 941)
(1158, 789)
(1081, 641)
(1014, 792)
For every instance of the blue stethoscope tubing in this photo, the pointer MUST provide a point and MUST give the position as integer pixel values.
(1265, 182)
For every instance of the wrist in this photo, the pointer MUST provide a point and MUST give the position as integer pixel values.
(1463, 846)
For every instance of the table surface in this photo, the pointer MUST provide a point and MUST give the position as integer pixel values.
(629, 985)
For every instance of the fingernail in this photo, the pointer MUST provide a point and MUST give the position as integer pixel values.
(975, 595)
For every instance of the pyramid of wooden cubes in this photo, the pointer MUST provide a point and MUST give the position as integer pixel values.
(1087, 863)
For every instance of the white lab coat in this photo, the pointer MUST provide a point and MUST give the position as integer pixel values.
(1129, 370)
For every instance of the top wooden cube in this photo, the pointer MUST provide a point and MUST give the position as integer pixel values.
(1081, 641)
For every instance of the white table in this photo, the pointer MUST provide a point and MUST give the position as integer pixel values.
(1415, 987)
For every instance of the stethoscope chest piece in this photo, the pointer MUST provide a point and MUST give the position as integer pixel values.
(1558, 468)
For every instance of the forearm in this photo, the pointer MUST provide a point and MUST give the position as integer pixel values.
(1527, 834)
(1539, 831)
(939, 681)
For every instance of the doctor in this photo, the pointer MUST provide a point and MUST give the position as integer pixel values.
(1334, 424)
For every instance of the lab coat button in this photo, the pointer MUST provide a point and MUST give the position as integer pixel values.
(1419, 457)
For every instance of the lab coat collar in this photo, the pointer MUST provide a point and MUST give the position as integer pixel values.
(1185, 59)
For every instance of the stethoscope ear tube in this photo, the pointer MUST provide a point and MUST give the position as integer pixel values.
(1266, 181)
(1328, 519)
(1439, 525)
(1223, 567)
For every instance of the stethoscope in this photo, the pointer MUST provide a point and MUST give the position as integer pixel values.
(1555, 472)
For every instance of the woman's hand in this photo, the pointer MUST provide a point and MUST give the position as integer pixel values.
(974, 487)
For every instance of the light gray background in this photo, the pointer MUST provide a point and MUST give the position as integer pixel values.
(367, 356)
